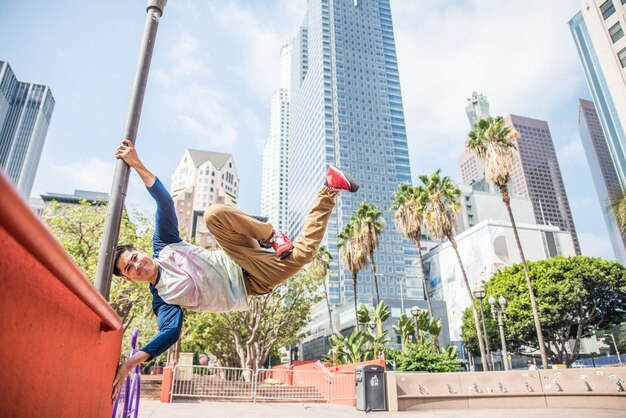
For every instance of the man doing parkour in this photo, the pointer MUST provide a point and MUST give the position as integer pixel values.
(182, 275)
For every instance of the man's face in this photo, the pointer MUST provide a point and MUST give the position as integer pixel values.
(137, 266)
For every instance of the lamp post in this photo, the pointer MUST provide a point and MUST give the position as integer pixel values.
(115, 208)
(415, 311)
(480, 293)
(372, 325)
(616, 350)
(401, 280)
(500, 310)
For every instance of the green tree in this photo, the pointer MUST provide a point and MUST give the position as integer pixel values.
(378, 315)
(408, 204)
(368, 225)
(78, 228)
(403, 327)
(421, 358)
(354, 258)
(494, 142)
(616, 205)
(246, 339)
(349, 349)
(440, 220)
(576, 296)
(618, 332)
(319, 266)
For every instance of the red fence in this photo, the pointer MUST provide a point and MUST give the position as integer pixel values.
(59, 339)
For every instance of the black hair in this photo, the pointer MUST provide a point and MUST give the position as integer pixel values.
(119, 250)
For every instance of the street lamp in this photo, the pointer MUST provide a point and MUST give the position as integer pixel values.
(115, 209)
(500, 310)
(616, 350)
(401, 280)
(415, 311)
(480, 293)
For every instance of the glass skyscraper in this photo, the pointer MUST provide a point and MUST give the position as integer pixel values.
(274, 183)
(602, 170)
(346, 109)
(25, 112)
(537, 175)
(598, 32)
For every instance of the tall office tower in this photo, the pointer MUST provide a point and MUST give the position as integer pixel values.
(274, 186)
(471, 166)
(598, 31)
(346, 109)
(477, 108)
(602, 170)
(25, 112)
(202, 178)
(537, 175)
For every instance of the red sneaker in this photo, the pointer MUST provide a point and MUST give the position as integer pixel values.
(281, 244)
(338, 180)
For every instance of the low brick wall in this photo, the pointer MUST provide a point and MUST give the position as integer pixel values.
(571, 388)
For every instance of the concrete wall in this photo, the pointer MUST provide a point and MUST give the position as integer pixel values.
(561, 388)
(60, 342)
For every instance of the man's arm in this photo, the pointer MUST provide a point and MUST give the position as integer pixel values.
(166, 223)
(170, 319)
(127, 152)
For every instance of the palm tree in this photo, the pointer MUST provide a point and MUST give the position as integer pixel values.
(440, 219)
(354, 258)
(495, 143)
(408, 202)
(321, 262)
(617, 206)
(369, 223)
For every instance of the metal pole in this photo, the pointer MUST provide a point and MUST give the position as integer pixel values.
(402, 296)
(482, 316)
(120, 180)
(616, 350)
(505, 357)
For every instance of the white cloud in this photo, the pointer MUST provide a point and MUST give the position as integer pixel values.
(93, 175)
(258, 33)
(522, 58)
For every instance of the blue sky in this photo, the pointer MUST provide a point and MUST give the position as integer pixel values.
(215, 67)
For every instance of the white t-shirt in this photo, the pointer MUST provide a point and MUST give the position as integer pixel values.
(200, 280)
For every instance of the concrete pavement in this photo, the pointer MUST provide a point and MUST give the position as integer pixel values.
(156, 409)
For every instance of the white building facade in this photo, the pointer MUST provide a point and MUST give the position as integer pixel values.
(274, 186)
(201, 179)
(485, 249)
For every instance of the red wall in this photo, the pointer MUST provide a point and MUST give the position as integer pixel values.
(56, 361)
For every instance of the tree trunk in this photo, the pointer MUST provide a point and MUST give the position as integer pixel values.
(375, 278)
(425, 285)
(330, 312)
(481, 342)
(356, 317)
(542, 348)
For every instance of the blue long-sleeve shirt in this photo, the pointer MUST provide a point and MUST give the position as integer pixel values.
(170, 317)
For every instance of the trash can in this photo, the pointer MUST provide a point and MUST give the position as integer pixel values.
(370, 389)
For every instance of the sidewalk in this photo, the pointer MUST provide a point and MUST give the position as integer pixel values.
(156, 409)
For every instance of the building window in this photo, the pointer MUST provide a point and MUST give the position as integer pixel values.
(622, 57)
(616, 32)
(607, 9)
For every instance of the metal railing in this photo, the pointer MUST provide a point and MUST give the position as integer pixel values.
(212, 382)
(292, 385)
(277, 385)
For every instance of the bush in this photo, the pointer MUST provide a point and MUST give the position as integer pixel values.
(423, 359)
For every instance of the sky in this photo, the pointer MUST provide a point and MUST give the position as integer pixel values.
(216, 65)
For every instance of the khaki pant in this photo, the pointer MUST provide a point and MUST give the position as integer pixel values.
(237, 233)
